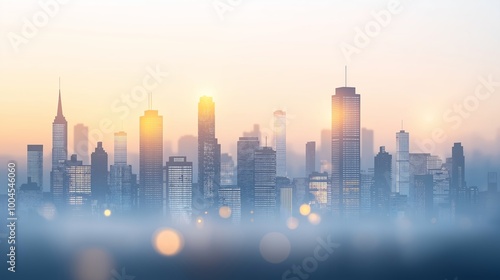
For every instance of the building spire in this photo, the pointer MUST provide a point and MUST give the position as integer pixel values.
(59, 103)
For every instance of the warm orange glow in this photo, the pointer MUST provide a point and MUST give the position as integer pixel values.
(292, 223)
(107, 212)
(314, 218)
(168, 242)
(225, 212)
(305, 209)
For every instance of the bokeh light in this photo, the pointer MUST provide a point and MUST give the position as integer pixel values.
(168, 242)
(225, 212)
(292, 223)
(275, 247)
(305, 209)
(314, 218)
(107, 212)
(93, 263)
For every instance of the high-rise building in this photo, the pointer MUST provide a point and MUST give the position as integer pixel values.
(99, 163)
(382, 183)
(365, 192)
(441, 196)
(246, 175)
(77, 187)
(121, 181)
(286, 202)
(318, 190)
(151, 162)
(403, 163)
(209, 153)
(35, 165)
(300, 192)
(458, 187)
(345, 161)
(280, 142)
(310, 158)
(230, 196)
(179, 180)
(418, 166)
(59, 155)
(265, 184)
(30, 197)
(367, 149)
(81, 142)
(227, 177)
(423, 201)
(492, 182)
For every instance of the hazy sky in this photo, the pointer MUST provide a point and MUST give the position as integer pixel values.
(253, 58)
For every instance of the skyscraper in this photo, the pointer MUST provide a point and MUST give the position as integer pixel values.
(423, 201)
(280, 142)
(77, 187)
(458, 187)
(367, 149)
(230, 196)
(318, 188)
(381, 190)
(81, 141)
(59, 155)
(265, 184)
(35, 164)
(209, 162)
(227, 170)
(151, 162)
(246, 175)
(99, 163)
(345, 161)
(325, 153)
(179, 179)
(310, 158)
(121, 180)
(403, 163)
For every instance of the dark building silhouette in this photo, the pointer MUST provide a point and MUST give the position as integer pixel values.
(458, 187)
(30, 197)
(99, 163)
(246, 175)
(59, 155)
(265, 184)
(151, 162)
(310, 158)
(382, 183)
(345, 161)
(209, 151)
(35, 164)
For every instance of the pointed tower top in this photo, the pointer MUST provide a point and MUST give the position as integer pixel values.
(59, 117)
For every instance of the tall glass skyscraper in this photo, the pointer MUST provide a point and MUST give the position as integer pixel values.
(179, 179)
(77, 186)
(209, 154)
(345, 162)
(120, 177)
(403, 163)
(246, 175)
(35, 164)
(151, 162)
(280, 142)
(59, 155)
(265, 184)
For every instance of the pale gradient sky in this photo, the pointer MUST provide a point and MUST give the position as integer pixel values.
(265, 55)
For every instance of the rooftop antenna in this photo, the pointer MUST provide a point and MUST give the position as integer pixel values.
(345, 75)
(59, 84)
